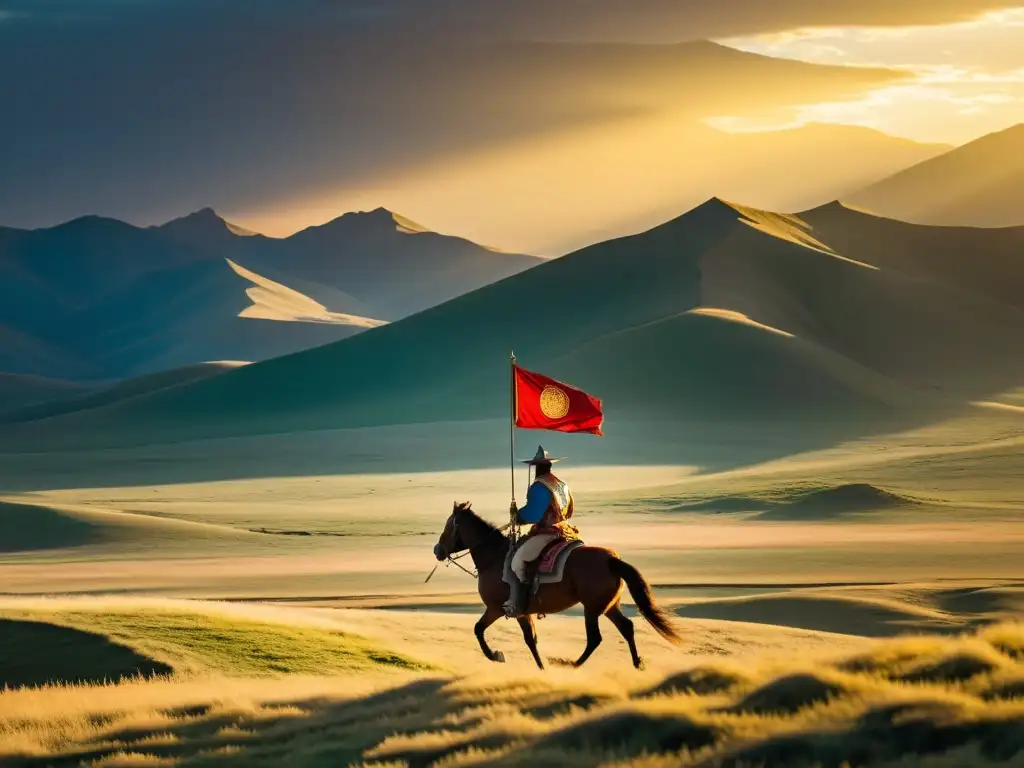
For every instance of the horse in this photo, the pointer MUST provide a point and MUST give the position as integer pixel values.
(593, 576)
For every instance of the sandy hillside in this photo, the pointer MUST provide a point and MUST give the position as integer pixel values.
(976, 185)
(395, 266)
(201, 312)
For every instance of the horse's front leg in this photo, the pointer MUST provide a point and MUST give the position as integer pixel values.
(491, 615)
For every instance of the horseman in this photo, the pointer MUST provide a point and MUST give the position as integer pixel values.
(549, 505)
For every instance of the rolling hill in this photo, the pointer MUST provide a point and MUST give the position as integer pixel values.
(97, 298)
(26, 355)
(723, 313)
(18, 390)
(980, 184)
(29, 398)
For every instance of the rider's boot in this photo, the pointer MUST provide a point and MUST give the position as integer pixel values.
(518, 597)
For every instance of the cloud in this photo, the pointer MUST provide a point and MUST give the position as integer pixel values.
(967, 78)
(992, 41)
(145, 109)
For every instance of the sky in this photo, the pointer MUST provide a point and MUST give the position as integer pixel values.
(525, 124)
(968, 77)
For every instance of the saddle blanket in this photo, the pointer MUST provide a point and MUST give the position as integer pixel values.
(550, 566)
(549, 556)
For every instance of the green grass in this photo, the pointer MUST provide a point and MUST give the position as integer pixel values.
(112, 644)
(248, 648)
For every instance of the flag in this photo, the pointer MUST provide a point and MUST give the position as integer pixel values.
(543, 403)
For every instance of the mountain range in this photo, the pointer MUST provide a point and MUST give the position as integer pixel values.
(96, 299)
(792, 169)
(980, 184)
(726, 313)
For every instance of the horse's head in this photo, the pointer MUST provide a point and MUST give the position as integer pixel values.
(450, 541)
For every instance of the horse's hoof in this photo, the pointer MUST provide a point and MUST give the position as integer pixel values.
(498, 657)
(639, 665)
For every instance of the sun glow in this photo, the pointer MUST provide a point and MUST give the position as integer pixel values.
(967, 79)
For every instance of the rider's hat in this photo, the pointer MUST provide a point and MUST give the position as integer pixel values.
(542, 457)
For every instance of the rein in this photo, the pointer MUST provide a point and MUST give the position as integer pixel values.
(454, 559)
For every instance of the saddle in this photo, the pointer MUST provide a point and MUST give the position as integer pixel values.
(550, 566)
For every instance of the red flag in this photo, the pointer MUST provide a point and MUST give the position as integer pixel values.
(543, 403)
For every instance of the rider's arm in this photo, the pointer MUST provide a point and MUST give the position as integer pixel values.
(537, 500)
(569, 509)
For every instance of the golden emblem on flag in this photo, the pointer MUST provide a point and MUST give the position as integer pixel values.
(554, 403)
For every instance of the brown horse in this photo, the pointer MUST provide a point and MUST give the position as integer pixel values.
(593, 576)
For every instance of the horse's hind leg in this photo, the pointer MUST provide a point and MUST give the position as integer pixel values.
(593, 636)
(530, 636)
(491, 615)
(625, 627)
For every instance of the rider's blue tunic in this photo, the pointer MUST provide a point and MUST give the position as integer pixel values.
(538, 498)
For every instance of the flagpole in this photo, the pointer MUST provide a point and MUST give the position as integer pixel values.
(512, 423)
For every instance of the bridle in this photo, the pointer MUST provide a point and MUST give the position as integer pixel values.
(453, 559)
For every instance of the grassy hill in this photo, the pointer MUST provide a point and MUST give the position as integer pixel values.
(697, 365)
(93, 643)
(724, 311)
(27, 528)
(18, 390)
(909, 702)
(35, 400)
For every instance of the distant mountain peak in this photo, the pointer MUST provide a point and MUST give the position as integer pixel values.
(203, 216)
(873, 136)
(204, 222)
(378, 220)
(89, 222)
(714, 206)
(379, 215)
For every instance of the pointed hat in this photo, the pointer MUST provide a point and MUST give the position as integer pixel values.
(542, 457)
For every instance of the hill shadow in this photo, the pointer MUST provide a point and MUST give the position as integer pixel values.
(824, 613)
(36, 653)
(28, 528)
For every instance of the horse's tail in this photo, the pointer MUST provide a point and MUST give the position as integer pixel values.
(641, 593)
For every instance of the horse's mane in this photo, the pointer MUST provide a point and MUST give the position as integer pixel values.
(465, 508)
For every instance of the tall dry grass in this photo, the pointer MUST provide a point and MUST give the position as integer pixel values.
(917, 701)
